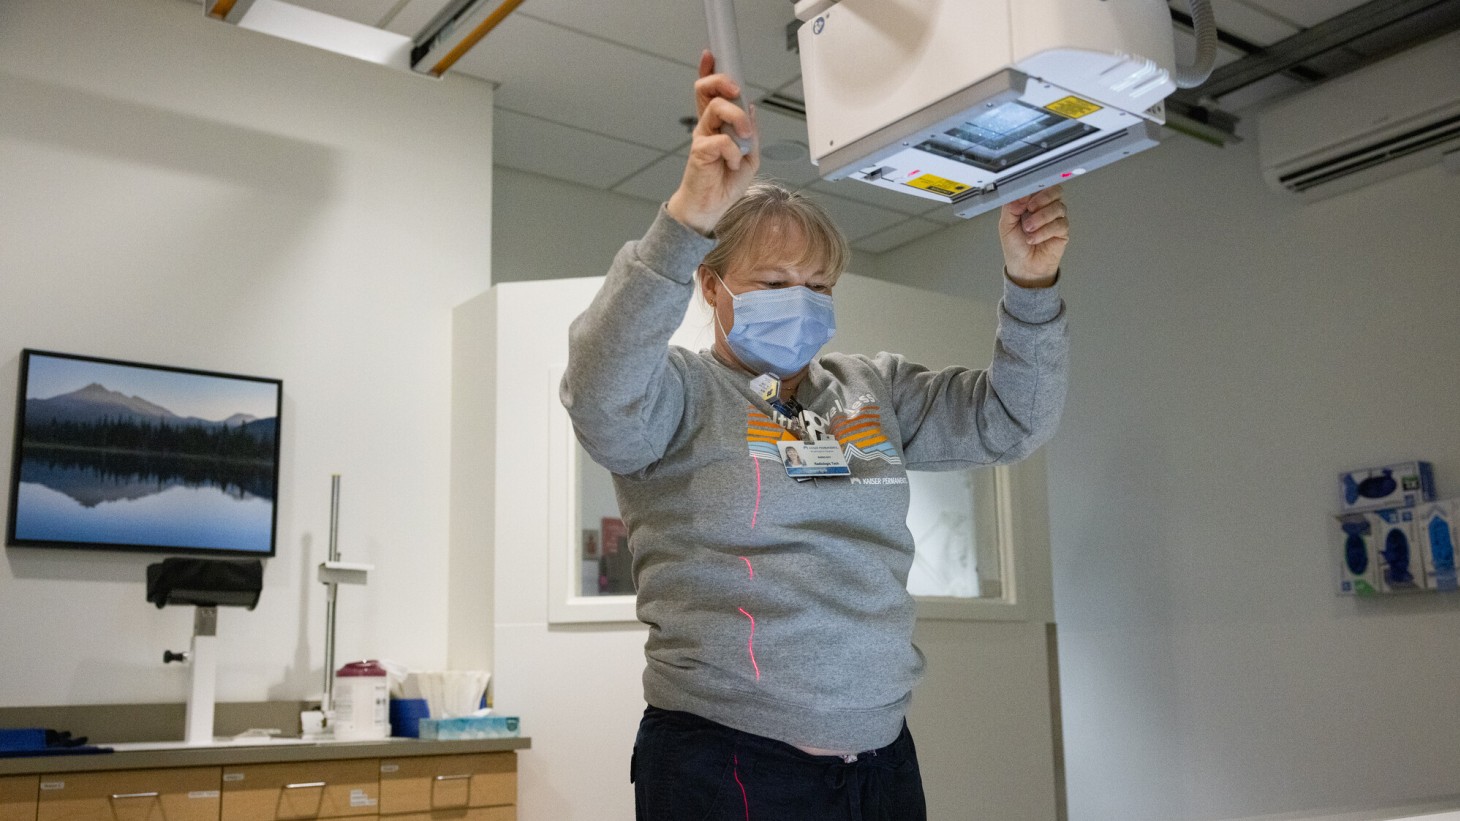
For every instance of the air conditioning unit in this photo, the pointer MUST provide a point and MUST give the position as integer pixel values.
(1382, 120)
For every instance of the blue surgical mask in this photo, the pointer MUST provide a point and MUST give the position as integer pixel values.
(779, 330)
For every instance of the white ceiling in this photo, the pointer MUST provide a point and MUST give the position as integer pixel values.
(596, 98)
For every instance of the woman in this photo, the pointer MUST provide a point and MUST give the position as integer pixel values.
(779, 660)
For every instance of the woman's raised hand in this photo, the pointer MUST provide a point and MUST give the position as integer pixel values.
(716, 174)
(1034, 232)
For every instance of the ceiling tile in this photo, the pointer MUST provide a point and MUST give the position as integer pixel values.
(1239, 18)
(529, 144)
(856, 219)
(943, 214)
(1255, 94)
(784, 155)
(906, 204)
(676, 30)
(369, 12)
(1305, 13)
(656, 182)
(897, 235)
(762, 25)
(545, 71)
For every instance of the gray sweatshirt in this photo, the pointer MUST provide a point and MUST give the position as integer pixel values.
(774, 606)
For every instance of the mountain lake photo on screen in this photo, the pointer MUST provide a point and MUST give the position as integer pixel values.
(123, 455)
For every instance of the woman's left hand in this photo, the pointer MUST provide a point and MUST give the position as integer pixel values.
(1034, 231)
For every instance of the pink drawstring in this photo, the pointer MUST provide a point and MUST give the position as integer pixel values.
(743, 797)
(750, 645)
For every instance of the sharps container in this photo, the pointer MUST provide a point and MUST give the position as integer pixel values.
(361, 702)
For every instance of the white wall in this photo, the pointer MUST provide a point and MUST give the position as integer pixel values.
(183, 192)
(550, 229)
(1233, 351)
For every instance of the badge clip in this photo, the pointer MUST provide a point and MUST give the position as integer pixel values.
(766, 386)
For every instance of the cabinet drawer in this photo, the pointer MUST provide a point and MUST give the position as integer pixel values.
(18, 797)
(189, 794)
(322, 789)
(446, 782)
(468, 814)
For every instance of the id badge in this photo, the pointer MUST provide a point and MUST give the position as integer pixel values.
(823, 458)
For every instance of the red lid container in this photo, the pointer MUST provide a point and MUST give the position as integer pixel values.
(361, 668)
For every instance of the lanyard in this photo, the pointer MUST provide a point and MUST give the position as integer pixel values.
(768, 387)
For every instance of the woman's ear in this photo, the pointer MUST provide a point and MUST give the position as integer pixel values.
(706, 278)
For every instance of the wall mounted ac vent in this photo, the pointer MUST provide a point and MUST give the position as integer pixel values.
(1428, 136)
(1380, 121)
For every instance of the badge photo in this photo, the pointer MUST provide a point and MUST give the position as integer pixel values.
(805, 461)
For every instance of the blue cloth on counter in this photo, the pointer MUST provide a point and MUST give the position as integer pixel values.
(33, 741)
(26, 738)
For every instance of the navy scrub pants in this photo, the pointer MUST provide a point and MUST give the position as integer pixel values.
(688, 768)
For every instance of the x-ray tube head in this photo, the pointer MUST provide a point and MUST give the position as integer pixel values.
(979, 102)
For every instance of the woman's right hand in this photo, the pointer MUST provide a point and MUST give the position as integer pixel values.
(717, 174)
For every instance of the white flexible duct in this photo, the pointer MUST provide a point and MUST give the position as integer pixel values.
(1204, 24)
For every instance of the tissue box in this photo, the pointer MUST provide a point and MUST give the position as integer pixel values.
(1434, 532)
(1401, 568)
(1359, 554)
(1402, 485)
(442, 729)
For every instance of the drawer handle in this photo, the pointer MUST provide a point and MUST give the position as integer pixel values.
(453, 777)
(304, 785)
(121, 795)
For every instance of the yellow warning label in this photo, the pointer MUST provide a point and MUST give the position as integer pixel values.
(1073, 107)
(937, 185)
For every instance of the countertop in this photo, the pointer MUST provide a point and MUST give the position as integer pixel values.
(159, 755)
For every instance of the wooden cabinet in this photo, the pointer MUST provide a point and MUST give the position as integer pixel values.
(188, 794)
(403, 780)
(18, 797)
(312, 789)
(455, 783)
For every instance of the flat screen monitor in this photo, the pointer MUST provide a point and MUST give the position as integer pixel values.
(113, 455)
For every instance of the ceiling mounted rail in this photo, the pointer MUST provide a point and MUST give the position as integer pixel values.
(1400, 24)
(1325, 37)
(431, 52)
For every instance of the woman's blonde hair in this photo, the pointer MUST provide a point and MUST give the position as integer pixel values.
(766, 205)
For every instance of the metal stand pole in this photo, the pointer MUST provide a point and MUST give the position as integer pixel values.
(333, 588)
(725, 45)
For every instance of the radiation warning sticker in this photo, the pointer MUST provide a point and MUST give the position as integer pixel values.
(1073, 107)
(937, 185)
